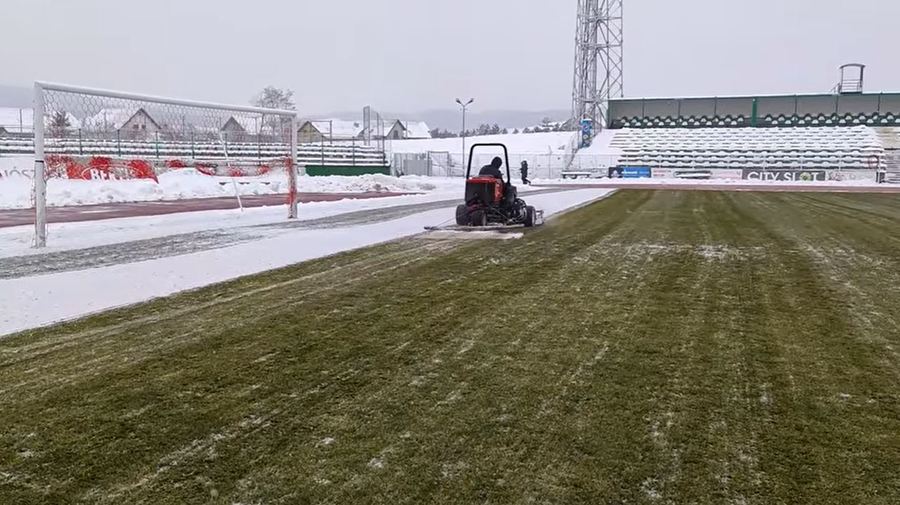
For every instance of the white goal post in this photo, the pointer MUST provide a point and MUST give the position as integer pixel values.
(82, 132)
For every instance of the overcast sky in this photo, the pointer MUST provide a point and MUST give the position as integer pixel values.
(410, 55)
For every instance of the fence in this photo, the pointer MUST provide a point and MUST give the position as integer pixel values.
(350, 153)
(556, 165)
(541, 165)
(16, 121)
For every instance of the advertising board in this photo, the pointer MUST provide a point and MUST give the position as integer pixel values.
(785, 175)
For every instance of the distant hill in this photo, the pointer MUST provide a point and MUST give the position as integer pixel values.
(14, 96)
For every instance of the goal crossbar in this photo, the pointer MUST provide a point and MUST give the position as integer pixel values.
(105, 93)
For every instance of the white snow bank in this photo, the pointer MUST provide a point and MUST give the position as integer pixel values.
(41, 300)
(378, 183)
(15, 192)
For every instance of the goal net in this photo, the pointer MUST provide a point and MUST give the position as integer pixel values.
(99, 135)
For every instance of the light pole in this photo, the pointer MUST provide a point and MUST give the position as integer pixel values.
(463, 135)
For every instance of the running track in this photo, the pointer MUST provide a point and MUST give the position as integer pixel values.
(19, 217)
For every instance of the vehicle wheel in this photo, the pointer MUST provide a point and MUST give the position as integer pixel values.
(479, 218)
(462, 215)
(529, 216)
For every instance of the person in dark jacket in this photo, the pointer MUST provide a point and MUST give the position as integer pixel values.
(493, 170)
(524, 170)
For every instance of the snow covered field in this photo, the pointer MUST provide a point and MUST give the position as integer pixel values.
(28, 302)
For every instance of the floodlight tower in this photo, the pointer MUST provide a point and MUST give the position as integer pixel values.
(598, 60)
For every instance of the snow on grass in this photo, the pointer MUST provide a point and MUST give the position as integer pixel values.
(40, 300)
(691, 342)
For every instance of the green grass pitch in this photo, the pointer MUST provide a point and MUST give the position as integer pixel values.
(655, 347)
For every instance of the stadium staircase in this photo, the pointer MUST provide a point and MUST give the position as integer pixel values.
(890, 140)
(749, 148)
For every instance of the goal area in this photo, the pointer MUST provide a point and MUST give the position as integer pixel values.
(94, 134)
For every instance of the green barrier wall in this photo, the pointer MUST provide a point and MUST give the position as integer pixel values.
(322, 170)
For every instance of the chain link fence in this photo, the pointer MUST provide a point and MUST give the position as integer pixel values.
(90, 135)
(16, 122)
(548, 165)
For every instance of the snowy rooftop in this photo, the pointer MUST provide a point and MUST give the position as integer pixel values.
(416, 129)
(249, 124)
(338, 128)
(109, 119)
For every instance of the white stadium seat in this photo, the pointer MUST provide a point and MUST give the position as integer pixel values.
(833, 147)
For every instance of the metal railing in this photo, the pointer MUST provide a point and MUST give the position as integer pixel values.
(554, 165)
(541, 165)
(157, 146)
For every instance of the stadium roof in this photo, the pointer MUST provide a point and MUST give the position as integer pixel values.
(761, 95)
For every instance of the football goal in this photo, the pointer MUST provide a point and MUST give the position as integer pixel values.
(93, 134)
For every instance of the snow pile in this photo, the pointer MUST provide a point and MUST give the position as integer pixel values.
(377, 183)
(15, 192)
(174, 185)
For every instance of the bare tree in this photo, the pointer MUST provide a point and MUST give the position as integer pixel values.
(59, 123)
(275, 98)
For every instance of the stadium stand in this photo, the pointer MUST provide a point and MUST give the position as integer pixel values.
(776, 111)
(834, 131)
(319, 155)
(738, 148)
